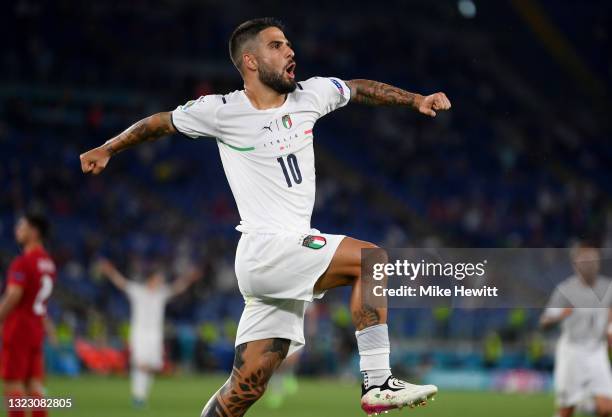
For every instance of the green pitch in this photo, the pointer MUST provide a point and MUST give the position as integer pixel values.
(184, 396)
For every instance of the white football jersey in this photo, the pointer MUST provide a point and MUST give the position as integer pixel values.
(588, 324)
(147, 310)
(267, 155)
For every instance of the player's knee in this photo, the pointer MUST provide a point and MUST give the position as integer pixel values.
(373, 254)
(14, 387)
(265, 369)
(379, 254)
(34, 387)
(370, 254)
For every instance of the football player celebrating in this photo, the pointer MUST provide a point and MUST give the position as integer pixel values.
(265, 138)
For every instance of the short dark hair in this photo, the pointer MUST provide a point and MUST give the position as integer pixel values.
(39, 222)
(247, 31)
(584, 244)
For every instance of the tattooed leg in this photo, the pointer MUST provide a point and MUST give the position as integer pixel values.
(380, 390)
(345, 269)
(254, 364)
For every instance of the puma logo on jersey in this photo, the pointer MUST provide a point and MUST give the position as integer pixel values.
(269, 127)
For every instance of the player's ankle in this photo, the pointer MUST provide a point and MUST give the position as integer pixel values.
(375, 377)
(374, 350)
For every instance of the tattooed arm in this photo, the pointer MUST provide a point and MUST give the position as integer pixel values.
(151, 128)
(380, 94)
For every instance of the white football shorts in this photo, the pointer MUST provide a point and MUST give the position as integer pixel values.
(581, 374)
(147, 351)
(276, 275)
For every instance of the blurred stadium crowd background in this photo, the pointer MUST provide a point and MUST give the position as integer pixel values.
(522, 160)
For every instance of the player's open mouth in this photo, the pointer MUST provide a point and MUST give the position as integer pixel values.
(290, 69)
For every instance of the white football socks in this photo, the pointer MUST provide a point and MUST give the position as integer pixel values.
(374, 349)
(141, 383)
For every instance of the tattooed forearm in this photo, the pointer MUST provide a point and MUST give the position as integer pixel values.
(380, 94)
(151, 128)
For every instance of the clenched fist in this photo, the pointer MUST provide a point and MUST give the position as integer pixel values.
(95, 160)
(429, 104)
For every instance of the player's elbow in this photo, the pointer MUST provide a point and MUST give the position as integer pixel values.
(13, 295)
(164, 121)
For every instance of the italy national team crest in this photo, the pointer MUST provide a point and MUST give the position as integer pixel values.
(287, 121)
(314, 242)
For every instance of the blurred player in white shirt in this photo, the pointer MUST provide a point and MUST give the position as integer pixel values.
(147, 303)
(582, 304)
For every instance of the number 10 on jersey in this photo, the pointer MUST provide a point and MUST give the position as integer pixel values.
(292, 163)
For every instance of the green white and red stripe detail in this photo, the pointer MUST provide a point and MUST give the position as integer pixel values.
(314, 242)
(318, 242)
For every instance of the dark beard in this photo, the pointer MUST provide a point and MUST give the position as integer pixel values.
(275, 81)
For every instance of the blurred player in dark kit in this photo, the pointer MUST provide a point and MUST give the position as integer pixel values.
(23, 314)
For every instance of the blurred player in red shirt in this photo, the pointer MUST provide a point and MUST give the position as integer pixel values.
(23, 314)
